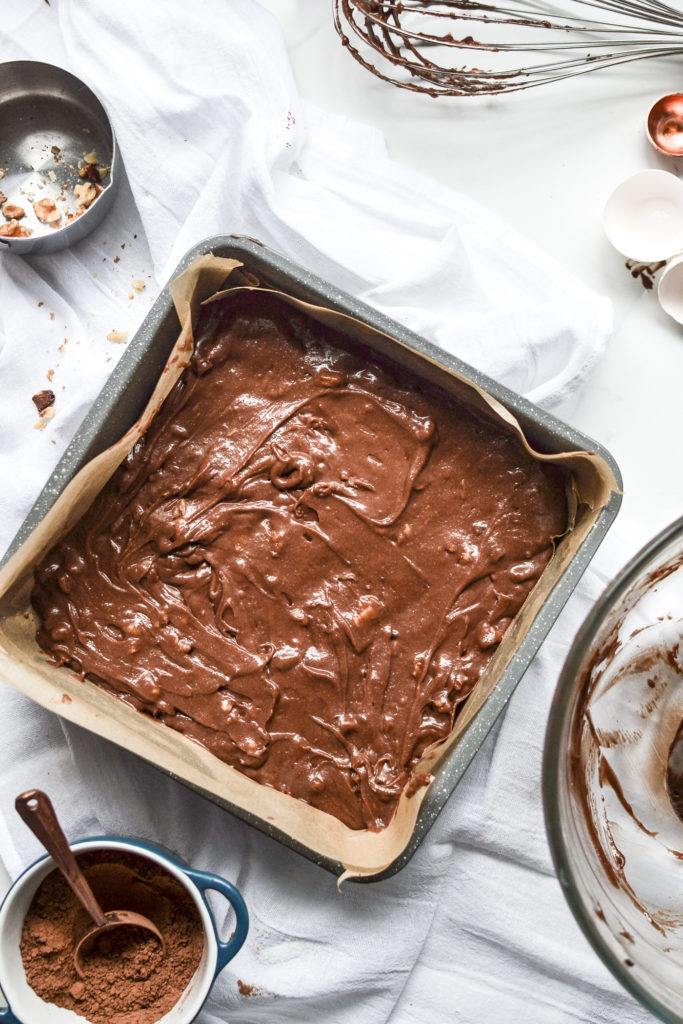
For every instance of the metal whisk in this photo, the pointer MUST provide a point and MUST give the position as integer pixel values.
(431, 45)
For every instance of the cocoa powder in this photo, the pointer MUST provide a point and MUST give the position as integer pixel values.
(127, 977)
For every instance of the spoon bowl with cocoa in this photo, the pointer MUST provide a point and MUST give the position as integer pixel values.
(36, 810)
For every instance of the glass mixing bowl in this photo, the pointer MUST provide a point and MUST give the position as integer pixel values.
(613, 774)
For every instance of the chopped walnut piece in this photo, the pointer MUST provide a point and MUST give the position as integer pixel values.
(91, 157)
(43, 400)
(46, 211)
(52, 176)
(102, 171)
(85, 193)
(55, 150)
(3, 197)
(11, 211)
(117, 336)
(40, 425)
(14, 230)
(89, 172)
(138, 284)
(2, 173)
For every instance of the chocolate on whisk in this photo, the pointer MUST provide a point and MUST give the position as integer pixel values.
(470, 48)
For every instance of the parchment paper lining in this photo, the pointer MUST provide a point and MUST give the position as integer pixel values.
(27, 668)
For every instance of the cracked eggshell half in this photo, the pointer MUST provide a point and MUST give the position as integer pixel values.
(670, 289)
(643, 218)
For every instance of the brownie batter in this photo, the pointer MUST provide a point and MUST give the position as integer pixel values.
(306, 563)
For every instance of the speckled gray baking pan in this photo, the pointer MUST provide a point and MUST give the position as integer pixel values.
(124, 396)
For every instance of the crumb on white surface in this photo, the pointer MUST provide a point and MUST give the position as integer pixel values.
(117, 336)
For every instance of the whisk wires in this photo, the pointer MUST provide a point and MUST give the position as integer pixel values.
(430, 45)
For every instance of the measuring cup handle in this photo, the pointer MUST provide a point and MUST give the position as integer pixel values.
(226, 950)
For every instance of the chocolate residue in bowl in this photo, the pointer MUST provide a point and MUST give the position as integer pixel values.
(127, 976)
(625, 759)
(674, 773)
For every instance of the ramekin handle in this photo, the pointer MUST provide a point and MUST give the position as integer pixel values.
(226, 950)
(6, 1015)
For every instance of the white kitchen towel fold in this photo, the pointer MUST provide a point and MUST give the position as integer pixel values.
(215, 140)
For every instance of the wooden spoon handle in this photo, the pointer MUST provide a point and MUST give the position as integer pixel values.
(35, 808)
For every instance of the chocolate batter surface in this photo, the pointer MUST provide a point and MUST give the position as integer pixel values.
(306, 563)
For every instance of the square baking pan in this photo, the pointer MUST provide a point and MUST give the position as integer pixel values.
(123, 398)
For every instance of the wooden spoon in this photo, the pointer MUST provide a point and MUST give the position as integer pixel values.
(35, 808)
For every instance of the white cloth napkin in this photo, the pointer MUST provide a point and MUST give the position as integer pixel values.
(215, 140)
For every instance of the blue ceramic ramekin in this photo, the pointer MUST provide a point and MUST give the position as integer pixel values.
(25, 1007)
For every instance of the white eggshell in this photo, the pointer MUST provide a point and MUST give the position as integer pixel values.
(670, 289)
(643, 218)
